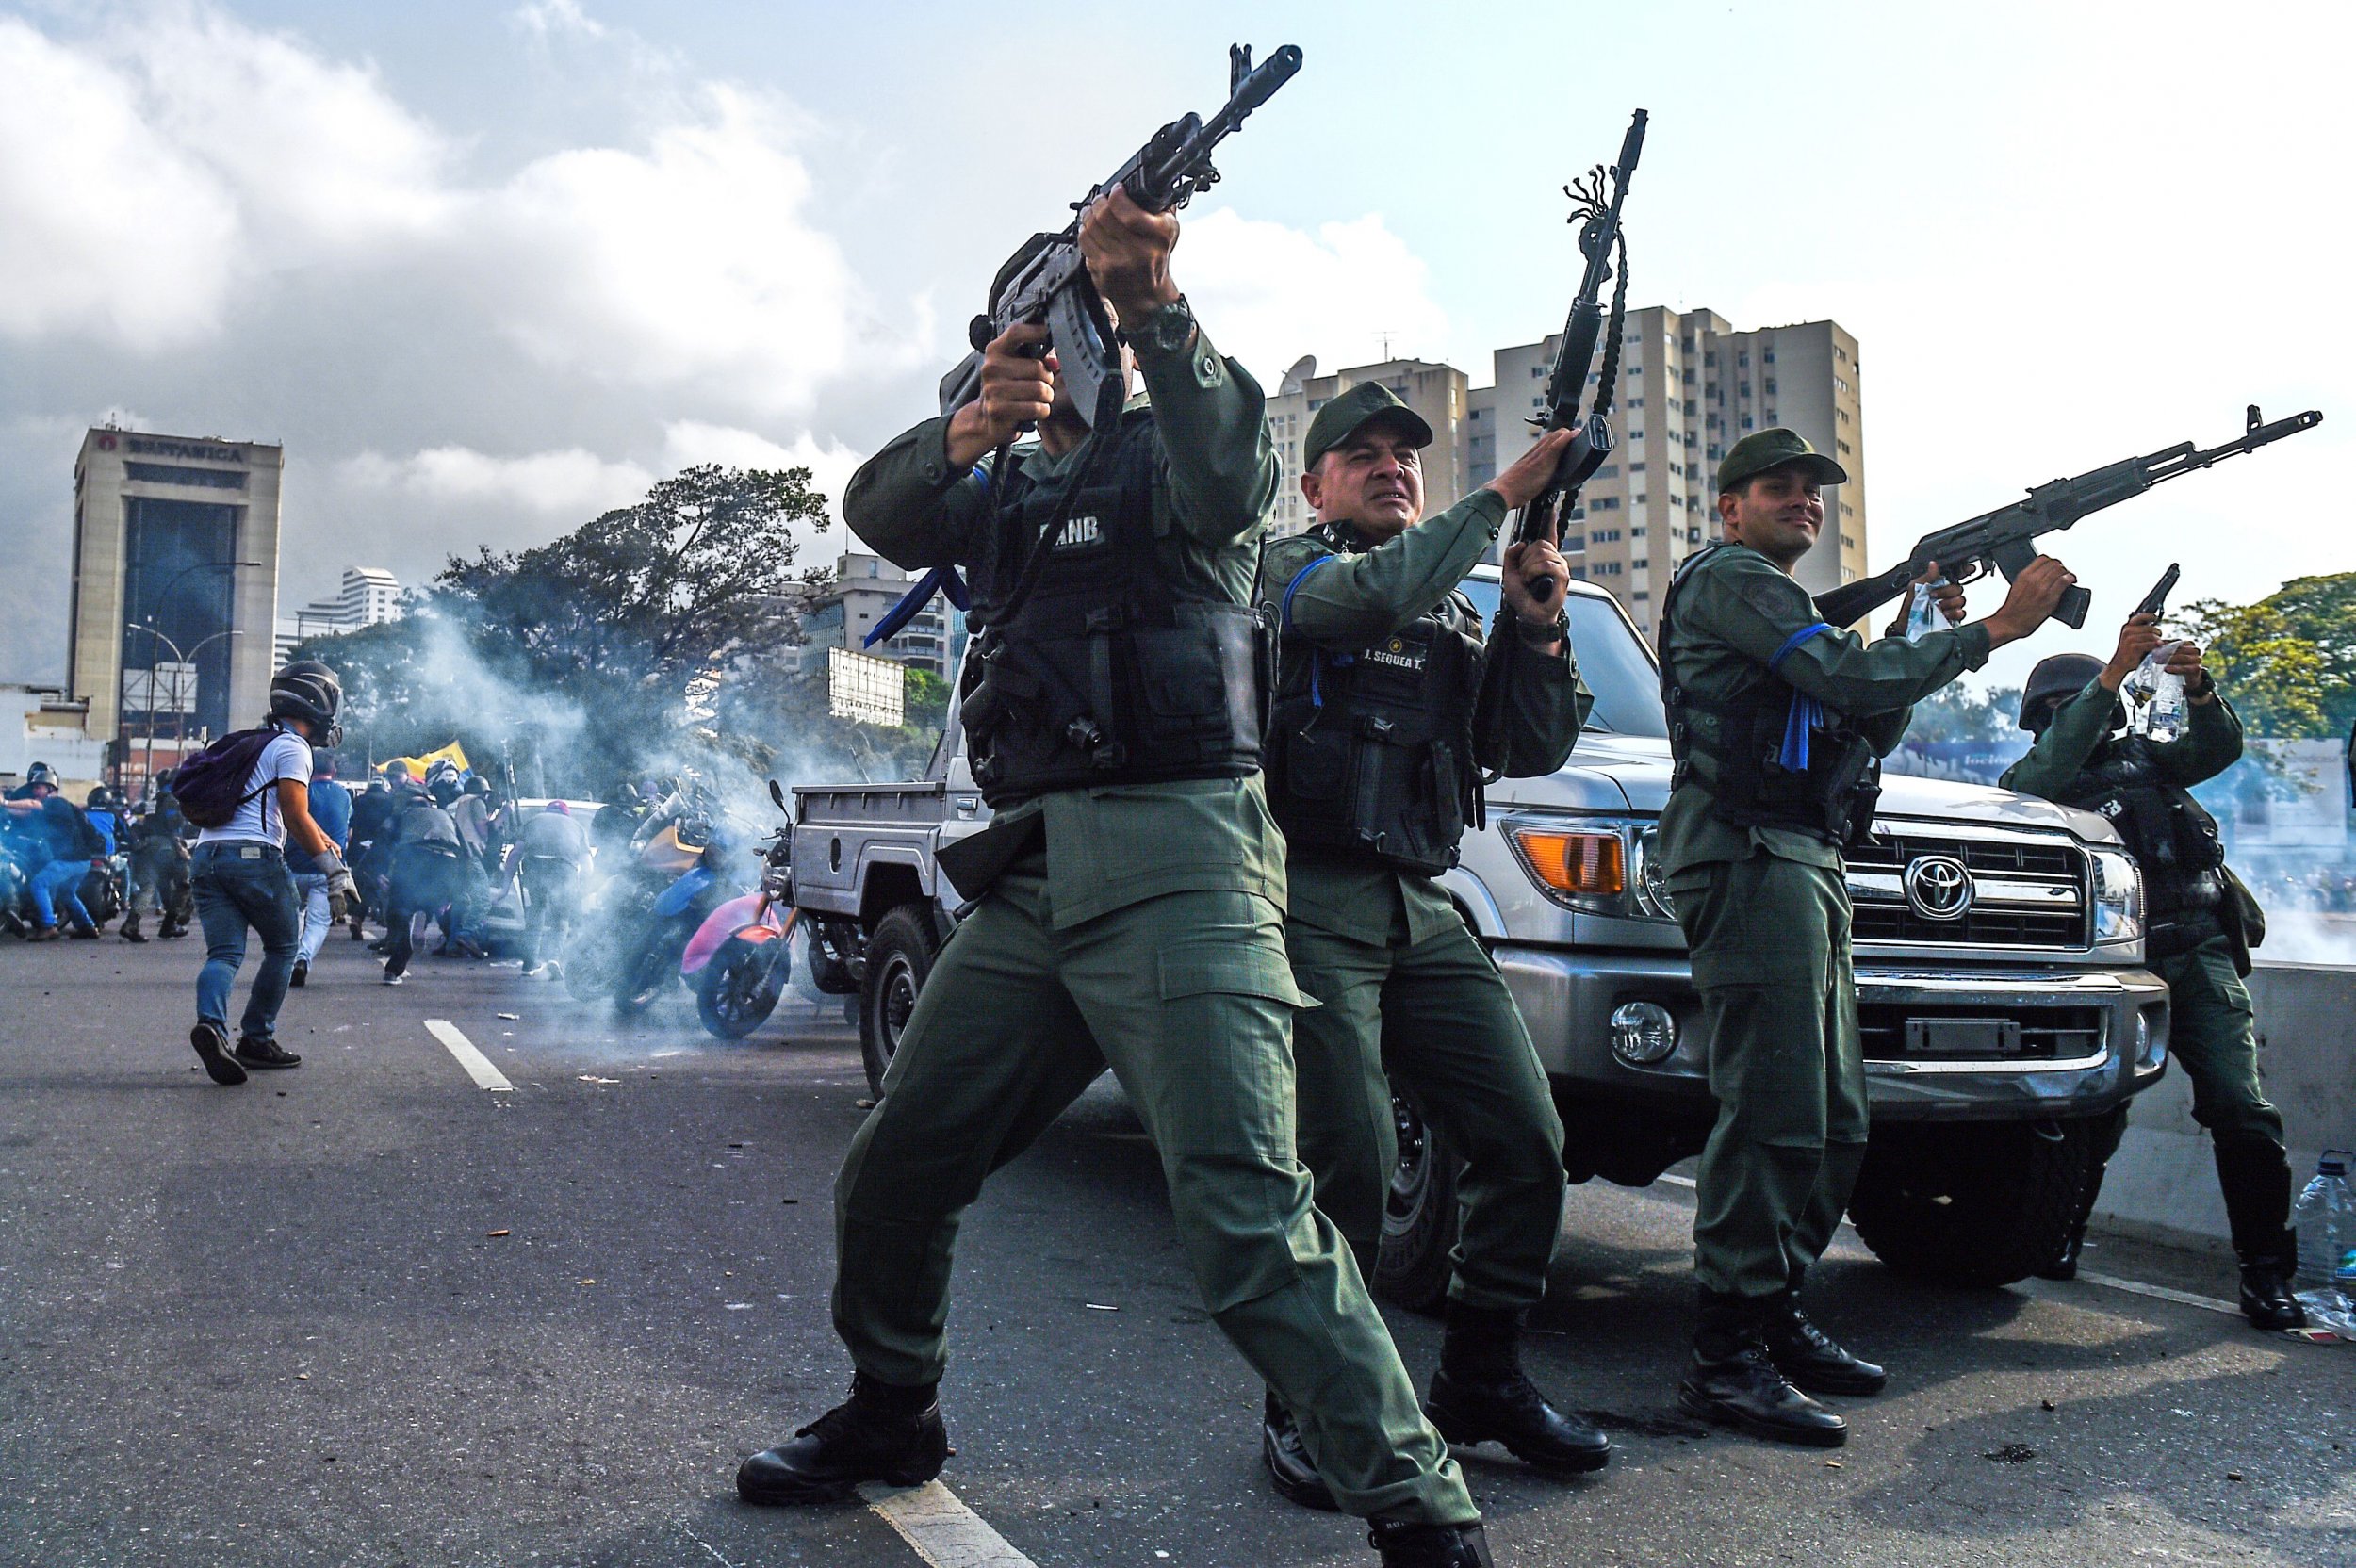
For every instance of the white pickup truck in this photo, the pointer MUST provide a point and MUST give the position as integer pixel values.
(1999, 958)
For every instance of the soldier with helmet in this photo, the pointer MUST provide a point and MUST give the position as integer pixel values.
(2200, 924)
(1777, 723)
(256, 787)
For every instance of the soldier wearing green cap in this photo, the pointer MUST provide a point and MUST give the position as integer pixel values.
(1129, 896)
(1777, 723)
(1390, 704)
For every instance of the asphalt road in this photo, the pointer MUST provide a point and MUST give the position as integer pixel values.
(367, 1312)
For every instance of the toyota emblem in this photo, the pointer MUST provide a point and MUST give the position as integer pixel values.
(1938, 886)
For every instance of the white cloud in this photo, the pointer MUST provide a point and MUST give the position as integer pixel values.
(1270, 293)
(831, 465)
(87, 185)
(552, 18)
(571, 482)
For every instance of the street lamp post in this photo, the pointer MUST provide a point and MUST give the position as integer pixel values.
(123, 722)
(179, 662)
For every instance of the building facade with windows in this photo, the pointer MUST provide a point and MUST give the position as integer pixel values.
(175, 587)
(864, 590)
(370, 597)
(1690, 385)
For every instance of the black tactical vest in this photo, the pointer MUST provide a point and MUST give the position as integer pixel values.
(1832, 797)
(2172, 838)
(1087, 666)
(1372, 751)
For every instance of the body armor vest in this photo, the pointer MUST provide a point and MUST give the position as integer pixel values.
(1372, 751)
(2172, 838)
(1087, 665)
(1768, 765)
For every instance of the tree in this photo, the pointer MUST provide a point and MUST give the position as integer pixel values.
(2288, 662)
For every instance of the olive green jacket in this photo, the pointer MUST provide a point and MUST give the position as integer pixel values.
(1532, 703)
(1113, 845)
(2081, 730)
(1736, 615)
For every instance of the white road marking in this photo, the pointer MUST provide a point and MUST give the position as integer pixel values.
(2109, 1281)
(478, 1066)
(945, 1532)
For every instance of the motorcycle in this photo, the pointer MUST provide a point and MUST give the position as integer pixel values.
(619, 904)
(740, 959)
(106, 890)
(650, 952)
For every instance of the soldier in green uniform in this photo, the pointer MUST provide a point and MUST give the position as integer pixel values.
(1390, 706)
(2197, 919)
(1130, 907)
(1777, 723)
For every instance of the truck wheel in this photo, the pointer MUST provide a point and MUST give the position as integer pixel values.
(899, 955)
(1974, 1204)
(1419, 1215)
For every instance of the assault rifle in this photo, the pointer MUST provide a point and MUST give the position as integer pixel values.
(2156, 602)
(2006, 538)
(1046, 280)
(1600, 240)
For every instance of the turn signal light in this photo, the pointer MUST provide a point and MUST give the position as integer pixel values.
(1590, 864)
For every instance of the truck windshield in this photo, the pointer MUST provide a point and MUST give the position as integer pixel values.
(1613, 661)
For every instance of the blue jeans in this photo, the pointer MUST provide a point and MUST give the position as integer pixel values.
(240, 884)
(311, 888)
(60, 877)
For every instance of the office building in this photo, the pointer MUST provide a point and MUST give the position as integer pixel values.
(370, 597)
(175, 582)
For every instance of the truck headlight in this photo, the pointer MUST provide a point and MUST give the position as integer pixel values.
(1596, 865)
(1643, 1033)
(2117, 897)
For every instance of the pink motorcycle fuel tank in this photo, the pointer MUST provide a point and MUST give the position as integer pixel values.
(737, 917)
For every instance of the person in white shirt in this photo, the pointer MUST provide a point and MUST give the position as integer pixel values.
(239, 877)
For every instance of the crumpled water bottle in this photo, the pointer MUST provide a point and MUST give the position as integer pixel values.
(1923, 615)
(2158, 697)
(2324, 1217)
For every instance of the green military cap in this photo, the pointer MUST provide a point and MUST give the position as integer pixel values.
(1341, 416)
(1771, 448)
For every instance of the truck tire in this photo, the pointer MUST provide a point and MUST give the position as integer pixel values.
(899, 955)
(1974, 1204)
(1419, 1215)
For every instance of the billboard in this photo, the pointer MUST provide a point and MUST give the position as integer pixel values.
(863, 687)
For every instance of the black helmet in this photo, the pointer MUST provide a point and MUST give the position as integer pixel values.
(101, 799)
(40, 773)
(477, 785)
(308, 690)
(2054, 680)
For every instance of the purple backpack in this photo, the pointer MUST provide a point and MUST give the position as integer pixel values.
(211, 785)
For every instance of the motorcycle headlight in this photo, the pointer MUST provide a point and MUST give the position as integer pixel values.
(1596, 865)
(2117, 897)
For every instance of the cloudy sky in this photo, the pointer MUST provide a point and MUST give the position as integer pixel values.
(486, 269)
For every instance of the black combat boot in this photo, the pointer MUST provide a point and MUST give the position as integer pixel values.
(2254, 1177)
(1289, 1466)
(1412, 1545)
(881, 1433)
(130, 932)
(1810, 1357)
(1481, 1395)
(1732, 1381)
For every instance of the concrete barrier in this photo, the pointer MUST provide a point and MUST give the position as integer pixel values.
(2163, 1176)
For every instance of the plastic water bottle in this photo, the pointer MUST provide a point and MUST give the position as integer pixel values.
(1923, 615)
(2325, 1220)
(2159, 696)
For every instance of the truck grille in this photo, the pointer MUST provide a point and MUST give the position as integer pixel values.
(2024, 892)
(1906, 1031)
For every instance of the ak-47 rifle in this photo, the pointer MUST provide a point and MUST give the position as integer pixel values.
(1049, 283)
(1598, 208)
(2006, 538)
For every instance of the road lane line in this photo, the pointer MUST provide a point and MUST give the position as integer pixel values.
(945, 1532)
(478, 1066)
(2109, 1281)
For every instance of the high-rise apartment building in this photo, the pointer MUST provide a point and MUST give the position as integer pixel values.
(864, 590)
(369, 596)
(1441, 393)
(1691, 386)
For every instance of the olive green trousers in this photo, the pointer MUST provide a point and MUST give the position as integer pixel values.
(1190, 999)
(1436, 1020)
(1770, 945)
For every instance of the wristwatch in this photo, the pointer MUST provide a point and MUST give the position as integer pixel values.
(1555, 630)
(1169, 329)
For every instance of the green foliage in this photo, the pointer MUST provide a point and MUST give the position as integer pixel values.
(1960, 713)
(2287, 661)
